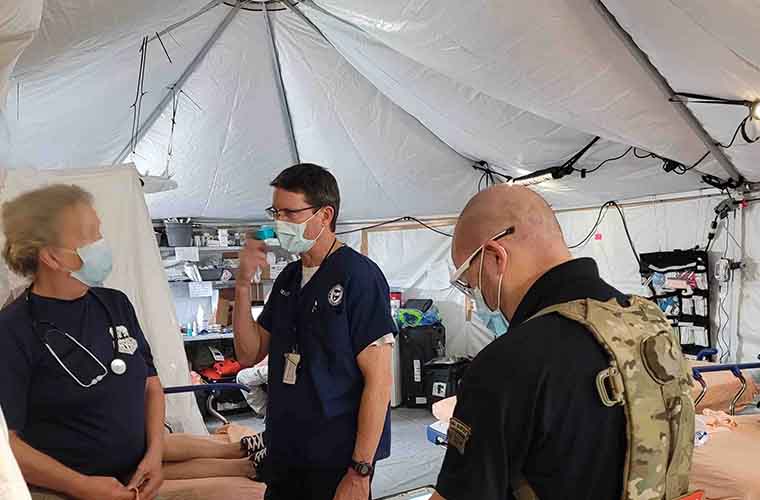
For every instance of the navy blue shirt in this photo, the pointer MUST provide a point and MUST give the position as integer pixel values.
(343, 309)
(98, 430)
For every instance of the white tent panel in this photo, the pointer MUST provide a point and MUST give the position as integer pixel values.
(137, 270)
(75, 33)
(19, 21)
(80, 114)
(707, 48)
(483, 128)
(473, 123)
(232, 140)
(749, 326)
(558, 60)
(387, 163)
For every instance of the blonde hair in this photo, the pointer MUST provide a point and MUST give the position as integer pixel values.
(30, 223)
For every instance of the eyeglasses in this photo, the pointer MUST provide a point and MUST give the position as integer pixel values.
(456, 278)
(287, 213)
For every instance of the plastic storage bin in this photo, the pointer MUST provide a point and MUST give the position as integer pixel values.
(179, 235)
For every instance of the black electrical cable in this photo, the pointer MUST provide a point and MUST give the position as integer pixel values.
(599, 219)
(681, 169)
(721, 327)
(393, 221)
(589, 171)
(736, 134)
(627, 232)
(647, 155)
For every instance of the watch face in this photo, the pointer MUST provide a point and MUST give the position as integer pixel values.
(363, 469)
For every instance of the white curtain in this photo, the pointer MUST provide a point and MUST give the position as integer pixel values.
(120, 203)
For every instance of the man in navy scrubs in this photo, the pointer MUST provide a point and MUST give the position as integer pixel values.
(328, 330)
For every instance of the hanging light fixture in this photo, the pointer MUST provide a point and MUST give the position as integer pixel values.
(754, 110)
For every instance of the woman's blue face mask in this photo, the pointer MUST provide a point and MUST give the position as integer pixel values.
(97, 262)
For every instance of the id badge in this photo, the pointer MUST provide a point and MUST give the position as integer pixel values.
(291, 368)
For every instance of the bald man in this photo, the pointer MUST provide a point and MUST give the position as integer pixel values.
(528, 407)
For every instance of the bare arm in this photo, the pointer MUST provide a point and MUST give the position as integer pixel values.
(375, 364)
(251, 339)
(155, 415)
(436, 496)
(41, 470)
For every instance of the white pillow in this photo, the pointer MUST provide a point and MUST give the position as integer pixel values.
(12, 484)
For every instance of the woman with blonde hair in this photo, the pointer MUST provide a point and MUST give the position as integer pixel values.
(81, 396)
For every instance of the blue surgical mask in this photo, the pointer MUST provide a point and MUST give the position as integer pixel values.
(97, 262)
(492, 318)
(291, 235)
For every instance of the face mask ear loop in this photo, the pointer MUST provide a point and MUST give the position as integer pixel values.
(480, 278)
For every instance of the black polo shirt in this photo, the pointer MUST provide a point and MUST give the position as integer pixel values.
(530, 406)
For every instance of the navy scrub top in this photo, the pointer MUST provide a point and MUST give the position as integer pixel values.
(96, 431)
(343, 309)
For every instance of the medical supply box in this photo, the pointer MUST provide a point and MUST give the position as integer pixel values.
(442, 377)
(417, 346)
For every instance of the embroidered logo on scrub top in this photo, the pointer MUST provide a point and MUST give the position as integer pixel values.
(335, 297)
(458, 435)
(127, 344)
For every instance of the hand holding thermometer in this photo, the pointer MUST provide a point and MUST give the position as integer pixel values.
(252, 258)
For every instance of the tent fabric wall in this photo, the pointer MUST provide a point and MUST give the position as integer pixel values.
(137, 270)
(655, 225)
(749, 326)
(19, 21)
(482, 127)
(341, 119)
(706, 48)
(398, 103)
(558, 60)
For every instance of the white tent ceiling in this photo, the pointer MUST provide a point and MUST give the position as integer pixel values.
(397, 97)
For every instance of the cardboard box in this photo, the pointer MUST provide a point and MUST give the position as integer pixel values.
(225, 307)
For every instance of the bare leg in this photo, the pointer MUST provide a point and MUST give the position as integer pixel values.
(208, 467)
(181, 447)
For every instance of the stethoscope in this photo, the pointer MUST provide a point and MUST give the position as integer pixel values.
(118, 365)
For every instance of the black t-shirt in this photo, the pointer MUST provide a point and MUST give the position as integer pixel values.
(98, 430)
(529, 406)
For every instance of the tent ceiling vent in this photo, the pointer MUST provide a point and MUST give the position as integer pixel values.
(258, 5)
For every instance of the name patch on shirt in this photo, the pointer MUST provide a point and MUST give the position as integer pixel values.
(458, 435)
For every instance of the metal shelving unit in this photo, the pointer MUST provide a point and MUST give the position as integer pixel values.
(207, 337)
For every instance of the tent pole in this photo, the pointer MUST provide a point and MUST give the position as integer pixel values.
(177, 86)
(292, 6)
(169, 29)
(666, 90)
(281, 85)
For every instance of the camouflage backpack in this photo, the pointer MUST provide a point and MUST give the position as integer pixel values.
(649, 378)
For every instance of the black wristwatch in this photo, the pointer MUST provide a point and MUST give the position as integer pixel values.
(364, 469)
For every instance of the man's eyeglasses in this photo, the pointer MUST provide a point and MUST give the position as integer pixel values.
(456, 278)
(287, 213)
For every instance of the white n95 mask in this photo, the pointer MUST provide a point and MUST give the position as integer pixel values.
(291, 235)
(97, 262)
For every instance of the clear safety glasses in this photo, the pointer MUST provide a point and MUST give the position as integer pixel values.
(456, 278)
